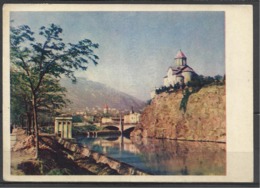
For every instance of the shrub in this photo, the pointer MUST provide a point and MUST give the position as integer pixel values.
(58, 171)
(77, 119)
(148, 102)
(47, 129)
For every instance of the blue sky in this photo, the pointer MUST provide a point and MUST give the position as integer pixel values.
(136, 48)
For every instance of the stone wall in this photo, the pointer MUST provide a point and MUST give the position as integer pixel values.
(81, 152)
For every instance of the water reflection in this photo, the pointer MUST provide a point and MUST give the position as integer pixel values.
(163, 156)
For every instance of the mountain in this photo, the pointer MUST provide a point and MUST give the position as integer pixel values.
(86, 93)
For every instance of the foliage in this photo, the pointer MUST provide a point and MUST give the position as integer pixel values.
(20, 97)
(208, 80)
(148, 102)
(50, 99)
(184, 100)
(77, 119)
(59, 171)
(47, 129)
(41, 61)
(196, 84)
(168, 89)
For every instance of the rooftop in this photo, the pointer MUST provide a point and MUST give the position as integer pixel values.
(180, 54)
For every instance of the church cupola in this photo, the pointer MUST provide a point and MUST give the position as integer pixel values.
(180, 59)
(105, 110)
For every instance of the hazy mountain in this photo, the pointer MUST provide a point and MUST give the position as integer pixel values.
(87, 93)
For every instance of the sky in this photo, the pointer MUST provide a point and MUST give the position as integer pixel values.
(137, 48)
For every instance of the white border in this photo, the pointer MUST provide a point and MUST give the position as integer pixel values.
(239, 92)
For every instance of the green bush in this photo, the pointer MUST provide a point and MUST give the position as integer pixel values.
(91, 128)
(47, 129)
(77, 119)
(58, 171)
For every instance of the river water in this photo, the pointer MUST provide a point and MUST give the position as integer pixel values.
(162, 156)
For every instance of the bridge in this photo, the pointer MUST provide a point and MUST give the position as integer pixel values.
(120, 127)
(118, 124)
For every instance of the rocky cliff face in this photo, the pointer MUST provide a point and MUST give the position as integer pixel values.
(204, 119)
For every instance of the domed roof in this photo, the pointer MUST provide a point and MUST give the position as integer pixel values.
(180, 55)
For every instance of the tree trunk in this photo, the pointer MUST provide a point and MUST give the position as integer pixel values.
(29, 123)
(32, 124)
(36, 127)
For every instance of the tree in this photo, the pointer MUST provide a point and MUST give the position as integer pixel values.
(20, 100)
(47, 56)
(77, 119)
(218, 78)
(51, 98)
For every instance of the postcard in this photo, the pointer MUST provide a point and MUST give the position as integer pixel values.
(127, 93)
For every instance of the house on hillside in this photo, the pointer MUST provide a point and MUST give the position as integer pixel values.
(179, 73)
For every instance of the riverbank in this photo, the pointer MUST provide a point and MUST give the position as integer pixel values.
(61, 157)
(84, 152)
(54, 159)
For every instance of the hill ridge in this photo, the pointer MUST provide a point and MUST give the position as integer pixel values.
(87, 93)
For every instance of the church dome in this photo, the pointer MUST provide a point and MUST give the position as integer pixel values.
(180, 55)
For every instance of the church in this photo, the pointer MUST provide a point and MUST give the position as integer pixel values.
(180, 73)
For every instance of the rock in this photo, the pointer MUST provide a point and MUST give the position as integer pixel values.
(98, 163)
(85, 152)
(26, 143)
(205, 111)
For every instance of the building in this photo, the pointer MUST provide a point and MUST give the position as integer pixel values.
(179, 73)
(132, 117)
(105, 110)
(105, 120)
(63, 127)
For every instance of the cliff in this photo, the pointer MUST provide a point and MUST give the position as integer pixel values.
(203, 120)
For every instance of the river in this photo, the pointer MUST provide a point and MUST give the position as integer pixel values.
(162, 156)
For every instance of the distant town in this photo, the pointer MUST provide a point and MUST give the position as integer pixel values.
(105, 115)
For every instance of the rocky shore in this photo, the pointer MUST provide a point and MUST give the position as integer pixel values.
(81, 152)
(60, 157)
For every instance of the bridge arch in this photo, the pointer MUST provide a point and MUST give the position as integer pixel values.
(111, 127)
(128, 130)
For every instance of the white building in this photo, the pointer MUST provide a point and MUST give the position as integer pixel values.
(132, 117)
(180, 73)
(63, 127)
(106, 120)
